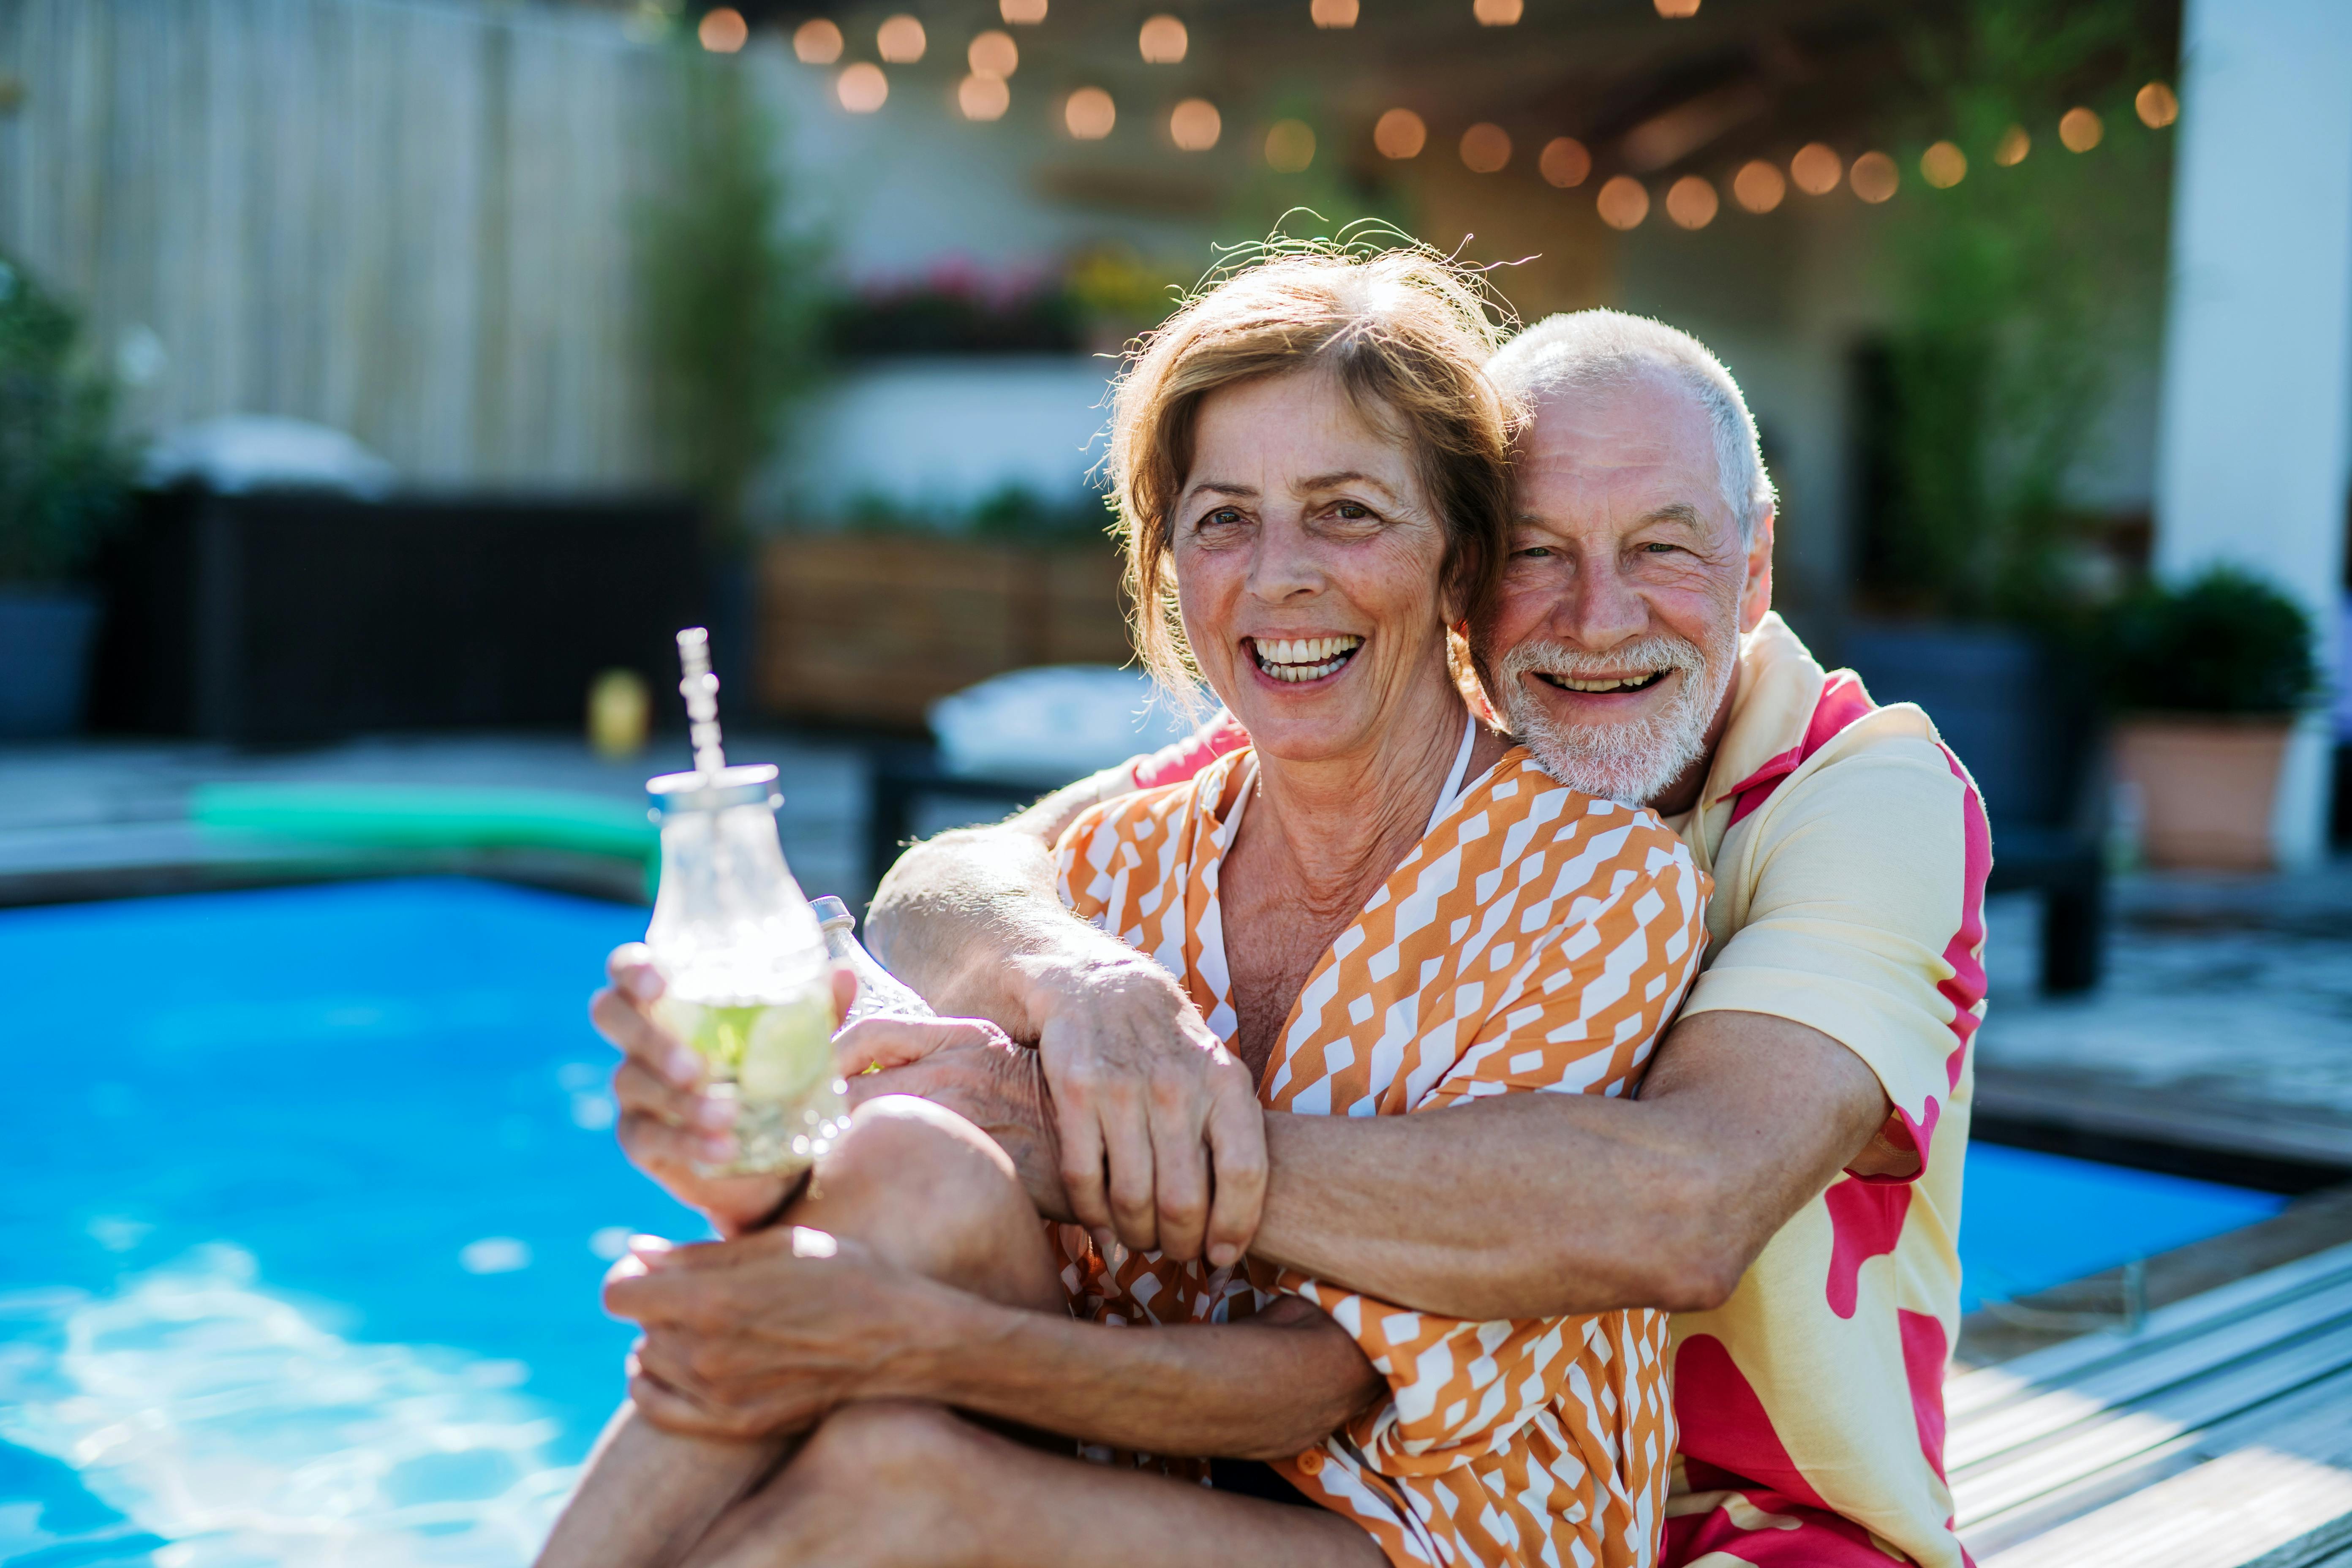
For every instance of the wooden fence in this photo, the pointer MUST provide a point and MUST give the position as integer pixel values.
(407, 220)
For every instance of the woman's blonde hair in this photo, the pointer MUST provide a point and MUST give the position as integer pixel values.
(1407, 334)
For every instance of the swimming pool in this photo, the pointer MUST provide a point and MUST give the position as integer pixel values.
(309, 1191)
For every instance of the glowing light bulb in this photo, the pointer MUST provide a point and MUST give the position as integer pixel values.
(1485, 148)
(1622, 203)
(861, 88)
(1758, 186)
(722, 30)
(1498, 13)
(1089, 114)
(1875, 178)
(1332, 13)
(993, 53)
(1164, 41)
(817, 42)
(2079, 130)
(1022, 13)
(1816, 169)
(900, 41)
(2014, 144)
(1290, 146)
(1399, 133)
(1943, 165)
(2155, 106)
(1564, 163)
(1691, 202)
(1195, 125)
(983, 97)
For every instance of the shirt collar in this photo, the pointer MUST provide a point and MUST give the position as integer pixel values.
(1773, 698)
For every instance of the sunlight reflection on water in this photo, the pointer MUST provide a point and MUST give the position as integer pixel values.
(225, 1421)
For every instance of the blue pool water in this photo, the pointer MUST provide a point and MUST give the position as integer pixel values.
(308, 1191)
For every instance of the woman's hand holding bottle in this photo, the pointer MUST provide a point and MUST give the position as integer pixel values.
(671, 1129)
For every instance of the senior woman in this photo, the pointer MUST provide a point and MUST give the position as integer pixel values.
(1382, 907)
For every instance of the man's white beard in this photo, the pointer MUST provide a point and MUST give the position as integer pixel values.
(1633, 763)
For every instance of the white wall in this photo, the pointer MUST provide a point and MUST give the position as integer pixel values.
(2253, 453)
(948, 431)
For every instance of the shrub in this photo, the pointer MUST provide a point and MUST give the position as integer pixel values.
(63, 476)
(2224, 643)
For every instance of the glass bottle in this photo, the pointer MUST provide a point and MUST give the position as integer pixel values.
(749, 983)
(878, 990)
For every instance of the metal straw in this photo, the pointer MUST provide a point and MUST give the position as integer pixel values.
(701, 690)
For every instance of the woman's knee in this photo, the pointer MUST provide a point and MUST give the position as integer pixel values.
(887, 1447)
(931, 1191)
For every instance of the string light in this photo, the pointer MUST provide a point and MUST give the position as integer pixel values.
(1022, 13)
(1498, 13)
(1622, 203)
(993, 53)
(1678, 9)
(900, 41)
(817, 42)
(723, 30)
(1564, 163)
(1399, 133)
(1816, 169)
(861, 88)
(1195, 125)
(1692, 202)
(983, 97)
(1943, 165)
(1290, 146)
(2079, 130)
(1332, 13)
(2155, 106)
(1758, 186)
(1164, 41)
(2013, 146)
(1089, 114)
(1875, 178)
(1485, 148)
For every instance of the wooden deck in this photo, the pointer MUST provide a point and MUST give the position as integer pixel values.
(2218, 1435)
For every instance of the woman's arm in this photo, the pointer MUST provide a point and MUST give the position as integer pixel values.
(760, 1336)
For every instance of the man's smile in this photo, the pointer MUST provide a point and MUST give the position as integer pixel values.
(1641, 681)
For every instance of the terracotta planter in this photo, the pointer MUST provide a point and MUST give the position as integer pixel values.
(2207, 788)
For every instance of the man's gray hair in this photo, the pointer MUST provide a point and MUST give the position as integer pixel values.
(1594, 347)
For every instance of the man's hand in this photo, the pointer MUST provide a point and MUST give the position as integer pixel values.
(668, 1125)
(764, 1336)
(1163, 1139)
(973, 1069)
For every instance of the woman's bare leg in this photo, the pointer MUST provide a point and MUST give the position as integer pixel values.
(891, 1485)
(923, 1187)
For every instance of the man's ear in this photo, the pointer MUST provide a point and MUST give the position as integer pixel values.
(1756, 594)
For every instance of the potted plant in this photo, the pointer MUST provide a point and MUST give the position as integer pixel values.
(2205, 680)
(2014, 292)
(63, 477)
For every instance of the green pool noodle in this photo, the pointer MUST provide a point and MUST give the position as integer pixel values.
(431, 816)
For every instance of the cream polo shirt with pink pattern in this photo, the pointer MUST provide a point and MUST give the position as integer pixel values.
(1536, 940)
(1850, 851)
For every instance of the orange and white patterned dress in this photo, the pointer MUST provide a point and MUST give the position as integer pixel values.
(1537, 938)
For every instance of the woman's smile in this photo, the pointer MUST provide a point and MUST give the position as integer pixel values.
(1301, 661)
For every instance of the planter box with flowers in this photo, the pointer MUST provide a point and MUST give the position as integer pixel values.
(2206, 680)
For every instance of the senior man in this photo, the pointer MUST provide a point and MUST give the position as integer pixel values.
(1788, 1180)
